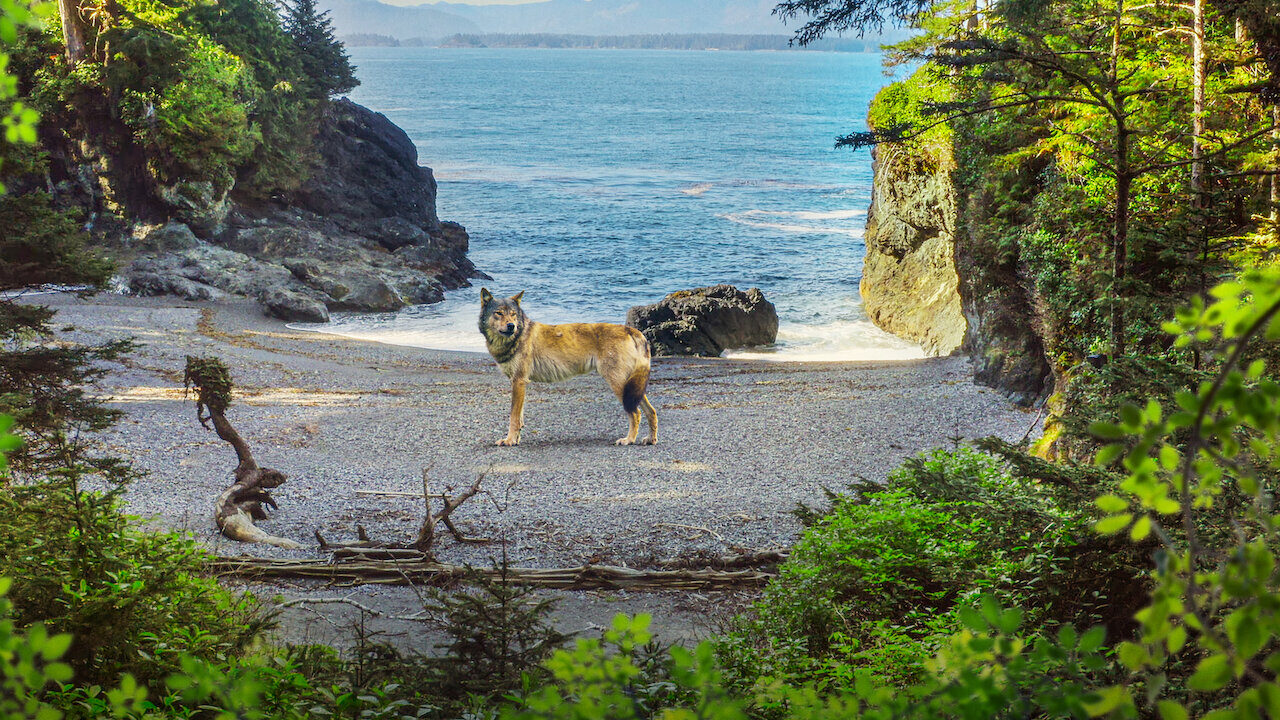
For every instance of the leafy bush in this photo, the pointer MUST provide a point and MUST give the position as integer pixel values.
(133, 599)
(873, 583)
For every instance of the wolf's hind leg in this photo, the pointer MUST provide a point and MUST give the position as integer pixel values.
(651, 415)
(632, 431)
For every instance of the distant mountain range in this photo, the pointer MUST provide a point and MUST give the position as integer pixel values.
(359, 17)
(563, 17)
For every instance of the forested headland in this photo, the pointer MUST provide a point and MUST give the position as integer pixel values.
(1090, 190)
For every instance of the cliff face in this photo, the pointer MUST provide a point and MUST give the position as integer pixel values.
(361, 234)
(931, 277)
(909, 282)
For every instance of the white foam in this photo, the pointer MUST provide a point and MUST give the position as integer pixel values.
(785, 220)
(833, 342)
(451, 325)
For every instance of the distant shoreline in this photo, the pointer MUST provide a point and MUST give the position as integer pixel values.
(556, 41)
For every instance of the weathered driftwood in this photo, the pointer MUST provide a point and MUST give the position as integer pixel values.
(248, 498)
(421, 546)
(752, 559)
(361, 570)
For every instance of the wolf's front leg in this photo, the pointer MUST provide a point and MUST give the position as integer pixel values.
(517, 413)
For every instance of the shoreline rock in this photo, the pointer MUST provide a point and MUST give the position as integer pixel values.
(360, 235)
(706, 321)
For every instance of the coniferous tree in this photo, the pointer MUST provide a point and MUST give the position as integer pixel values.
(327, 69)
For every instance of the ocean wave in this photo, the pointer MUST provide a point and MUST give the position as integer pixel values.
(795, 221)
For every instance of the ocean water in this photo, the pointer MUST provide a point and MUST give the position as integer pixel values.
(595, 180)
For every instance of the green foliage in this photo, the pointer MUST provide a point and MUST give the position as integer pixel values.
(1214, 604)
(132, 598)
(619, 679)
(18, 120)
(872, 585)
(498, 635)
(325, 65)
(211, 381)
(194, 93)
(44, 245)
(197, 125)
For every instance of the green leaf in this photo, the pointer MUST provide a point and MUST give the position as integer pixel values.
(1111, 504)
(1107, 431)
(1108, 454)
(1170, 710)
(972, 619)
(1141, 529)
(56, 646)
(1108, 700)
(1133, 655)
(1212, 673)
(1114, 524)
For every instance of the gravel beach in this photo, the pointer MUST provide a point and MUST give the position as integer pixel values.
(353, 424)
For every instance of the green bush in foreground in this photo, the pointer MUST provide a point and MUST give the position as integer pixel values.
(874, 582)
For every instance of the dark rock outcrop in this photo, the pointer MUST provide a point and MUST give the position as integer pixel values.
(361, 234)
(706, 321)
(909, 282)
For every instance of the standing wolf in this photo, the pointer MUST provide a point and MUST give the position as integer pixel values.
(527, 350)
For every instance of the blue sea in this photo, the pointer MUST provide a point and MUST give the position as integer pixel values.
(595, 180)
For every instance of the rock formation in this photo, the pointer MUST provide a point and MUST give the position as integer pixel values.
(927, 279)
(909, 282)
(361, 234)
(706, 321)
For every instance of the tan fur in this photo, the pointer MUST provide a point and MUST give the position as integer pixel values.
(551, 353)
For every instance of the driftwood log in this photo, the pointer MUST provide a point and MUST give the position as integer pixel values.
(248, 498)
(354, 568)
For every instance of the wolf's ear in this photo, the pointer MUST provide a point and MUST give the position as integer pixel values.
(486, 297)
(516, 298)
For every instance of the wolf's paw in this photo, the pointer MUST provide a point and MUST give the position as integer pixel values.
(624, 441)
(508, 442)
(648, 441)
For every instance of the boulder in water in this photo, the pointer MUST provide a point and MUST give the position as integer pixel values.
(706, 321)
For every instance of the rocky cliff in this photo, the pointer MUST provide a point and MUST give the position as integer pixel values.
(930, 275)
(361, 234)
(909, 283)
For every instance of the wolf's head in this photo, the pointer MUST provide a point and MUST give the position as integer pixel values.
(501, 321)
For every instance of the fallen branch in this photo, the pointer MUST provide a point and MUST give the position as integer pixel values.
(401, 493)
(752, 559)
(700, 531)
(366, 571)
(348, 601)
(421, 546)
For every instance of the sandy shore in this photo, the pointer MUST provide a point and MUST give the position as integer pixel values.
(742, 442)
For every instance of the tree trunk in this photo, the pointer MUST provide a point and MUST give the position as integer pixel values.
(72, 30)
(1275, 178)
(1119, 257)
(1197, 105)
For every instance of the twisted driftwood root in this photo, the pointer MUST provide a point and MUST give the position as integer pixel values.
(248, 498)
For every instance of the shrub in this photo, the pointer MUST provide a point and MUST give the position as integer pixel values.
(873, 584)
(133, 599)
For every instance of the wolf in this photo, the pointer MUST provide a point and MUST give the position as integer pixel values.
(528, 350)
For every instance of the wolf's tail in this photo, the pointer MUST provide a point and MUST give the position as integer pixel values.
(633, 391)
